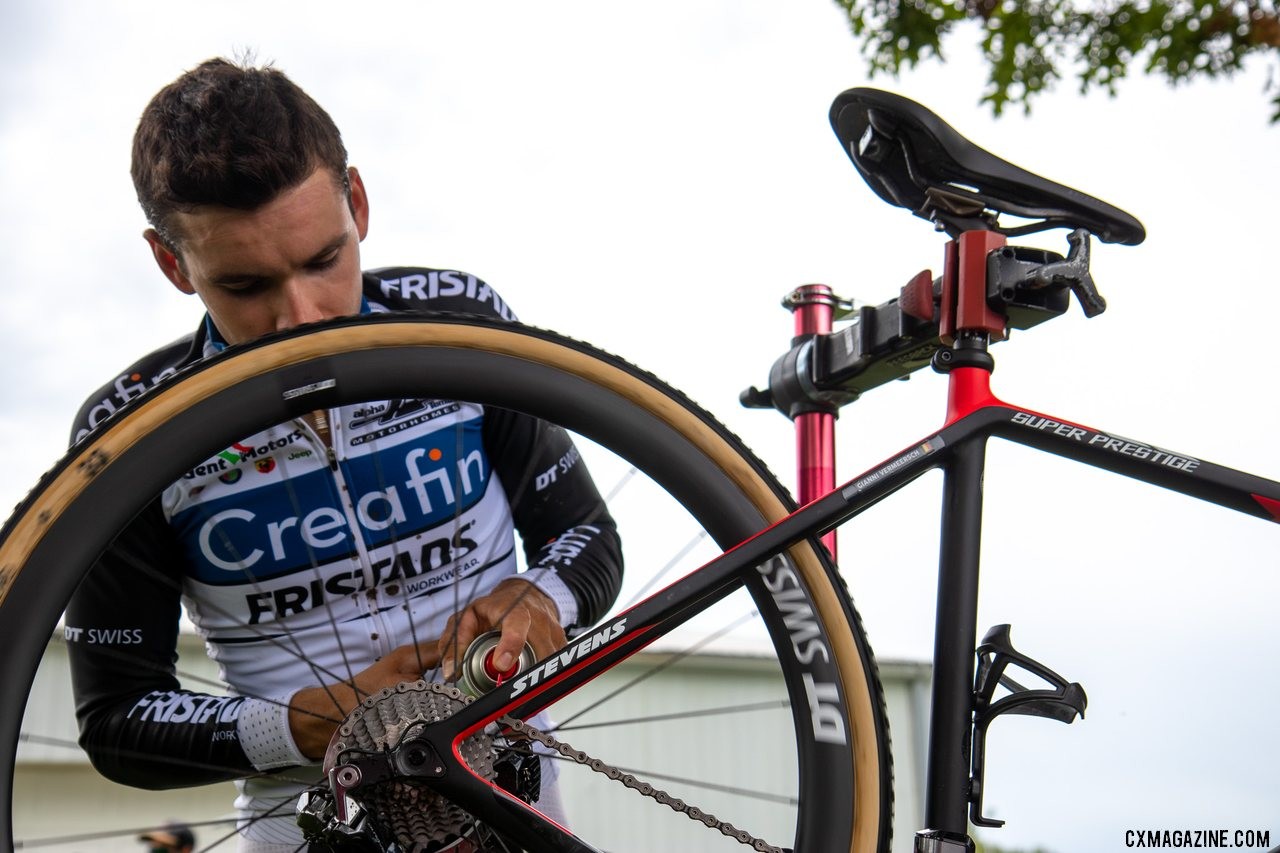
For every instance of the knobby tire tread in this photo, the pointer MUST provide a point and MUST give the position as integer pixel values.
(55, 497)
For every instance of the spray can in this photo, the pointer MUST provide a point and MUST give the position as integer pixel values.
(478, 674)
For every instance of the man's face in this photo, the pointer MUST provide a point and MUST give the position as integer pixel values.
(294, 260)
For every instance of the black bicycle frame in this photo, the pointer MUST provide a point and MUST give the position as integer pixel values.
(959, 450)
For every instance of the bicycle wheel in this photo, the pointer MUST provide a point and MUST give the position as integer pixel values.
(840, 784)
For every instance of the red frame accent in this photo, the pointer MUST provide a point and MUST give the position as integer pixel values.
(969, 389)
(813, 306)
(1271, 506)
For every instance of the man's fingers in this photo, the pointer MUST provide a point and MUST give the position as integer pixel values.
(459, 631)
(519, 610)
(515, 631)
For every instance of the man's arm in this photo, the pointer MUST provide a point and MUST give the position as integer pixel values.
(137, 725)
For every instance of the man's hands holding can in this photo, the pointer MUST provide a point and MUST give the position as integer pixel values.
(522, 612)
(517, 608)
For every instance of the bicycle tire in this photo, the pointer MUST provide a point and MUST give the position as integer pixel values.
(844, 790)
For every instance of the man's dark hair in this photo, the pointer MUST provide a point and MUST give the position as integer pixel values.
(230, 135)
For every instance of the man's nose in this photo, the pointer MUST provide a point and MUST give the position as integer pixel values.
(298, 305)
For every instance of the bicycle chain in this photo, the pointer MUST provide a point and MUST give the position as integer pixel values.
(646, 789)
(384, 717)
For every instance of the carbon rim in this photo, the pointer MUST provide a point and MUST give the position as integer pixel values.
(684, 450)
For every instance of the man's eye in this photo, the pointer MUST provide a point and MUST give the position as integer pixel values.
(242, 288)
(327, 262)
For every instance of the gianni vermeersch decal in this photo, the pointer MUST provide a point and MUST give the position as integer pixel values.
(920, 451)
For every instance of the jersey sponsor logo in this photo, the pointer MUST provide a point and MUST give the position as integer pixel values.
(285, 525)
(175, 706)
(433, 284)
(383, 419)
(228, 477)
(566, 547)
(236, 452)
(126, 387)
(260, 452)
(563, 465)
(265, 466)
(411, 563)
(393, 410)
(103, 636)
(577, 651)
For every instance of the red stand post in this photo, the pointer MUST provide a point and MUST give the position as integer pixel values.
(813, 306)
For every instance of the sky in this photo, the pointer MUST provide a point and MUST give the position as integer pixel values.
(654, 178)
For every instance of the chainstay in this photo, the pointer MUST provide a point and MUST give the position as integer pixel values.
(644, 788)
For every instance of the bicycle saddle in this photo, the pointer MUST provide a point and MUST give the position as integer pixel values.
(914, 159)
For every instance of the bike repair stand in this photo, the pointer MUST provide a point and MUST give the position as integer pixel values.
(814, 307)
(986, 289)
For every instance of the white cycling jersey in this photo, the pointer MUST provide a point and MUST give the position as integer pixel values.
(302, 560)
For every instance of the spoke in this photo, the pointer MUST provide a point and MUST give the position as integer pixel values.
(274, 640)
(315, 572)
(621, 484)
(45, 740)
(520, 488)
(270, 814)
(189, 676)
(672, 563)
(396, 555)
(672, 661)
(113, 833)
(736, 790)
(456, 586)
(771, 705)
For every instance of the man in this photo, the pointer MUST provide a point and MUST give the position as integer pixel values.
(329, 557)
(172, 838)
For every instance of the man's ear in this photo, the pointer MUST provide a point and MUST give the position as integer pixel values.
(359, 202)
(167, 261)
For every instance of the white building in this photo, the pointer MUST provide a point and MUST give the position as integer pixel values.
(59, 796)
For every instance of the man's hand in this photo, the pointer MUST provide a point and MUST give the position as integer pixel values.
(316, 712)
(520, 610)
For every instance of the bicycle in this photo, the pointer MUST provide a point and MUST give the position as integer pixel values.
(840, 775)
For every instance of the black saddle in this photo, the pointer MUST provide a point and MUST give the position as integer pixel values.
(914, 159)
